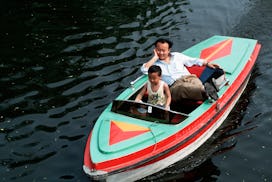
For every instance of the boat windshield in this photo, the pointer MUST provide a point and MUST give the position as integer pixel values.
(147, 112)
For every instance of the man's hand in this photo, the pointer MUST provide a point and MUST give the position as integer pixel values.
(155, 54)
(211, 65)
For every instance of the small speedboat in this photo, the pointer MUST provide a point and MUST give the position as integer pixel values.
(131, 140)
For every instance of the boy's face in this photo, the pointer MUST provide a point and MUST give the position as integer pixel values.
(162, 50)
(154, 78)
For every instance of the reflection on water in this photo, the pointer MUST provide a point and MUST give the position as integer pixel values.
(63, 62)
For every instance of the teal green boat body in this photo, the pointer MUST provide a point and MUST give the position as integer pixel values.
(146, 142)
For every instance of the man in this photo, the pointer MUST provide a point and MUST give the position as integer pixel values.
(183, 85)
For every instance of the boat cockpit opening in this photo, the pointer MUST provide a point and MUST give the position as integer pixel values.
(147, 112)
(216, 77)
(186, 106)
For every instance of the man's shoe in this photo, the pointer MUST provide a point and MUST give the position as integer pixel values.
(210, 91)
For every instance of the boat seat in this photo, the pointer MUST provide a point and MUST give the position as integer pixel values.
(196, 70)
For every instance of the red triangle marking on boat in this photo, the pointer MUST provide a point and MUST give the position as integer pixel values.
(218, 50)
(118, 134)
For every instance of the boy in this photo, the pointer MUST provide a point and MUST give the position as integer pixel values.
(158, 91)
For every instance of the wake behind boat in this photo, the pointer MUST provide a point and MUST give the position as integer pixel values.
(131, 140)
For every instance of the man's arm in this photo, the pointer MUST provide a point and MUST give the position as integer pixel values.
(190, 61)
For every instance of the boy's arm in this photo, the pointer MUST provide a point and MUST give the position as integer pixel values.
(141, 94)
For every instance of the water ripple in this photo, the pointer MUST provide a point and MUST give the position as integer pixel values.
(88, 44)
(66, 64)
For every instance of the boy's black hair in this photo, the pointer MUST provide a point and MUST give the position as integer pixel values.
(162, 40)
(155, 69)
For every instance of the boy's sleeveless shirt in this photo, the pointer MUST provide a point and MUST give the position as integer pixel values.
(158, 97)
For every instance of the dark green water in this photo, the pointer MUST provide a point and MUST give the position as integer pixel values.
(63, 62)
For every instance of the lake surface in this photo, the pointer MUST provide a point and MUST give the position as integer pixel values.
(63, 62)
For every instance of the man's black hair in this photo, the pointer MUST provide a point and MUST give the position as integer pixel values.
(155, 69)
(161, 40)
